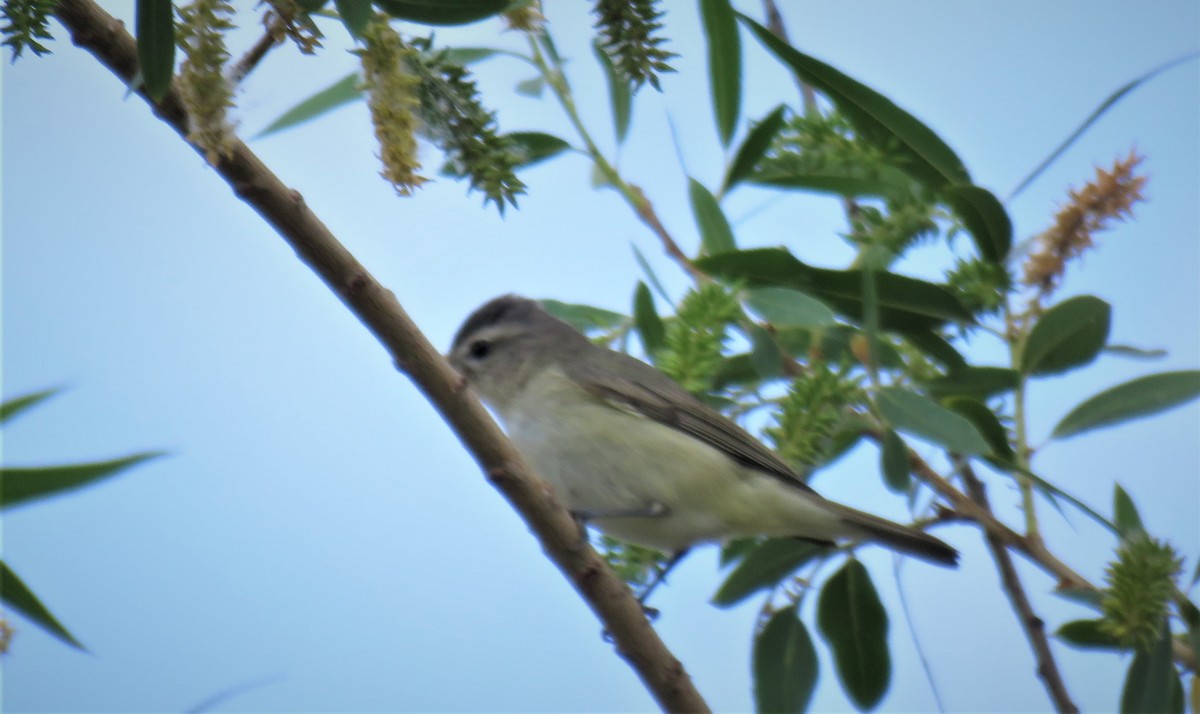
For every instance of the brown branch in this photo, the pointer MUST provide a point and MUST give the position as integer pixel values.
(1034, 626)
(284, 209)
(274, 35)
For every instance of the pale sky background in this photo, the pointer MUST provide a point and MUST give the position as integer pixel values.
(318, 529)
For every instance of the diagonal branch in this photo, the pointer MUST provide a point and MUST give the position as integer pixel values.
(284, 209)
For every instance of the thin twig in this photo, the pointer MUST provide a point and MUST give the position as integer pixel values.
(274, 35)
(1034, 626)
(377, 308)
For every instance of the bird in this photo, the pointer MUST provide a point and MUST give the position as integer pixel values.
(637, 456)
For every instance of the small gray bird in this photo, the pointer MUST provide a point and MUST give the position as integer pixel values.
(635, 454)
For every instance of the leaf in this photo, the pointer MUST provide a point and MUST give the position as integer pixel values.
(853, 622)
(985, 218)
(471, 55)
(1134, 352)
(785, 664)
(1087, 634)
(533, 147)
(1125, 515)
(16, 405)
(1096, 114)
(765, 353)
(645, 266)
(355, 15)
(18, 485)
(737, 548)
(839, 181)
(20, 598)
(1140, 397)
(736, 370)
(1148, 684)
(724, 64)
(619, 94)
(715, 234)
(155, 27)
(977, 382)
(532, 87)
(1069, 335)
(649, 326)
(894, 462)
(764, 566)
(784, 307)
(584, 317)
(921, 416)
(753, 148)
(344, 91)
(989, 427)
(873, 116)
(1084, 596)
(934, 345)
(442, 12)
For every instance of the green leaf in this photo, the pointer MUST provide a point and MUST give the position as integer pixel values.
(619, 94)
(650, 275)
(1089, 597)
(1087, 634)
(1069, 335)
(894, 462)
(534, 147)
(784, 307)
(1134, 352)
(1096, 114)
(765, 353)
(785, 664)
(873, 116)
(936, 347)
(355, 15)
(649, 326)
(985, 218)
(715, 234)
(155, 26)
(989, 427)
(1137, 398)
(344, 91)
(584, 317)
(764, 567)
(977, 382)
(18, 485)
(835, 180)
(853, 622)
(16, 405)
(532, 87)
(736, 370)
(724, 64)
(1125, 514)
(20, 598)
(754, 147)
(1148, 684)
(921, 416)
(471, 55)
(736, 549)
(442, 12)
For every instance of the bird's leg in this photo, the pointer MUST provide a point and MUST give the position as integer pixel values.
(660, 576)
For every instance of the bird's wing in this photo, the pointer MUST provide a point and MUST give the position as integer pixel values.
(673, 406)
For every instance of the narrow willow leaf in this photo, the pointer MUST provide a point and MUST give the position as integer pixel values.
(532, 87)
(985, 420)
(785, 664)
(784, 307)
(443, 12)
(1089, 597)
(1096, 114)
(18, 485)
(650, 274)
(873, 116)
(754, 147)
(1148, 684)
(1069, 335)
(977, 382)
(764, 567)
(715, 234)
(584, 317)
(724, 64)
(20, 598)
(1050, 489)
(921, 416)
(1134, 352)
(619, 94)
(533, 147)
(471, 55)
(155, 28)
(853, 622)
(1125, 514)
(765, 353)
(831, 180)
(1087, 634)
(736, 549)
(1137, 398)
(985, 218)
(894, 463)
(16, 405)
(736, 370)
(649, 326)
(343, 91)
(931, 344)
(355, 15)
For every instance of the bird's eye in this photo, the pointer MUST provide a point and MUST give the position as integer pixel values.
(480, 349)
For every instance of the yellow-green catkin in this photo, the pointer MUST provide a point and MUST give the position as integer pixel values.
(207, 94)
(1141, 582)
(392, 99)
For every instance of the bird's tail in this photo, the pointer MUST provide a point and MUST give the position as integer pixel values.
(897, 537)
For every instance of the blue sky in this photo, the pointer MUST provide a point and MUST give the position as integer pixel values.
(316, 525)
